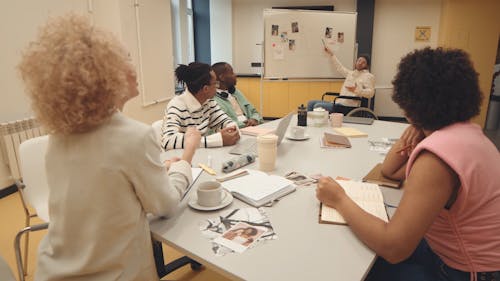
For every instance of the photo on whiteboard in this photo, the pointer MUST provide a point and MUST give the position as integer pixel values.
(291, 44)
(295, 27)
(340, 37)
(274, 29)
(328, 32)
(284, 36)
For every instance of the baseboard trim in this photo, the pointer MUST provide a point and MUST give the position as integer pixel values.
(8, 191)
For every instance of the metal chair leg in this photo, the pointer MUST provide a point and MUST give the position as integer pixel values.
(163, 269)
(17, 247)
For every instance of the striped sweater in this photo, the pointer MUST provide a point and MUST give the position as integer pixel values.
(183, 111)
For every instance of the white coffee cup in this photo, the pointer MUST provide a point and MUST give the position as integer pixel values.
(298, 132)
(267, 150)
(210, 194)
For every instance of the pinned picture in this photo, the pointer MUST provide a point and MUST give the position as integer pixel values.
(295, 27)
(239, 237)
(328, 32)
(274, 30)
(284, 36)
(291, 44)
(340, 37)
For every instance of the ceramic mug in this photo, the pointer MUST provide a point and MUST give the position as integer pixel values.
(210, 194)
(298, 132)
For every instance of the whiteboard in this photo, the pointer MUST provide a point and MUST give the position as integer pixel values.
(293, 43)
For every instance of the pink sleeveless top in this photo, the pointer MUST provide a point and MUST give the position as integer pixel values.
(467, 236)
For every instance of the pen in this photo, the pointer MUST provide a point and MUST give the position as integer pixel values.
(207, 169)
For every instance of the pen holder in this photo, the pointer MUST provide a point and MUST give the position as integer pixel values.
(238, 162)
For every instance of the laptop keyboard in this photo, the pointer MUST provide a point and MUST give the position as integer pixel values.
(245, 146)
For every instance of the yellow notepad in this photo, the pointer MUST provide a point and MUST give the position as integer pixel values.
(350, 132)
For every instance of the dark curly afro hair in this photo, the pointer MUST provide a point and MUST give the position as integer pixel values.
(437, 87)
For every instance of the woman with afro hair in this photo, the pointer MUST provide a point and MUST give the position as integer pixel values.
(447, 225)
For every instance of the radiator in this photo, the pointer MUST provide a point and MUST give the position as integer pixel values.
(12, 135)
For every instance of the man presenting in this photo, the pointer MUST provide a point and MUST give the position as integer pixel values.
(231, 100)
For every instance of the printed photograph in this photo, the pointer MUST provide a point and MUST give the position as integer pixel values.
(274, 30)
(291, 44)
(340, 37)
(295, 27)
(328, 32)
(239, 237)
(284, 36)
(300, 179)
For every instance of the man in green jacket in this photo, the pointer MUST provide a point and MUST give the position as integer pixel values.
(231, 100)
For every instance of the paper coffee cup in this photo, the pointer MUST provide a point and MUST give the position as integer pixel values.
(267, 150)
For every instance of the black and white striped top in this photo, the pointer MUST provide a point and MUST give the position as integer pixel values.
(183, 111)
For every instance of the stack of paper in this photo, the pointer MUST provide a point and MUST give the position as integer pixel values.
(256, 131)
(258, 188)
(366, 195)
(350, 132)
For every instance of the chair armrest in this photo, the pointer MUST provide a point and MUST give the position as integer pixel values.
(329, 94)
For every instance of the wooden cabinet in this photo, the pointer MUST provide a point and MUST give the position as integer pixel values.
(281, 97)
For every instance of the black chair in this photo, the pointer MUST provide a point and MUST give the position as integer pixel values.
(364, 110)
(163, 269)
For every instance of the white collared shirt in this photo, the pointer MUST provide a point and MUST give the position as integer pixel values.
(363, 79)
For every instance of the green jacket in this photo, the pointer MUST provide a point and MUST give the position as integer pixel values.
(248, 110)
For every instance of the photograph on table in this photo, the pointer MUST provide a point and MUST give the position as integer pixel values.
(239, 237)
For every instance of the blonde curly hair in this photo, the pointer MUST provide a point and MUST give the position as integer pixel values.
(75, 74)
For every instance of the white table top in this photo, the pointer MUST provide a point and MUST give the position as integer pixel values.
(305, 249)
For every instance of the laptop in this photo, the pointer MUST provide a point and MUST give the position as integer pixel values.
(357, 120)
(250, 145)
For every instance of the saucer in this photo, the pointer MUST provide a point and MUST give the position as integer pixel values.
(305, 137)
(193, 202)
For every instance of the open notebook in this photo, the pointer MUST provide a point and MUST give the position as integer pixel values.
(258, 188)
(366, 195)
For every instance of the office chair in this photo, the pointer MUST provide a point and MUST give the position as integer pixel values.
(35, 191)
(364, 110)
(5, 271)
(161, 268)
(12, 134)
(157, 128)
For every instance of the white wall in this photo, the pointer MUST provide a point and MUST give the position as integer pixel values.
(248, 27)
(393, 36)
(221, 31)
(19, 22)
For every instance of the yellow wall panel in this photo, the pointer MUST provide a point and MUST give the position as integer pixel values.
(298, 94)
(474, 27)
(275, 98)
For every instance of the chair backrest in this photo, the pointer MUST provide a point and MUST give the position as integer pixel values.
(32, 159)
(157, 128)
(5, 271)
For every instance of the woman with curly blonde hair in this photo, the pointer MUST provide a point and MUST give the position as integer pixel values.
(103, 169)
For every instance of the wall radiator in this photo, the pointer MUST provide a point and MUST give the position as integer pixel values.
(12, 135)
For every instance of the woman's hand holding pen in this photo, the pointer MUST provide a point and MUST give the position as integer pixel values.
(329, 192)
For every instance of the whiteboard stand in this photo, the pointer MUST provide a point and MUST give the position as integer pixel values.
(261, 90)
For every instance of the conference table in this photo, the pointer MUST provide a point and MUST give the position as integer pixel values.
(305, 249)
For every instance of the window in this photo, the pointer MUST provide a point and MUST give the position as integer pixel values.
(182, 31)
